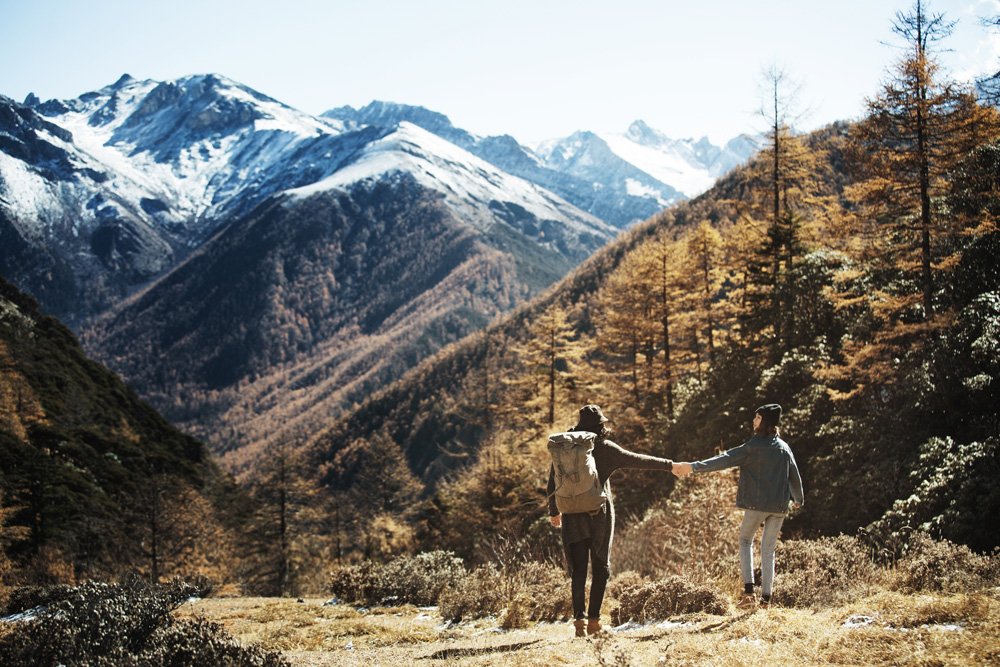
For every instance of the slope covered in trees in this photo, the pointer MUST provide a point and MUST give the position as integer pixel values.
(849, 275)
(92, 480)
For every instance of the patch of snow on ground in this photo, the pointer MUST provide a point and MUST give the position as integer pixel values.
(858, 621)
(28, 615)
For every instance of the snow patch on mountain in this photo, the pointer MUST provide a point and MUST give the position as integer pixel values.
(196, 142)
(670, 164)
(470, 185)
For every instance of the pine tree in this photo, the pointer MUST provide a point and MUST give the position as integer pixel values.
(914, 132)
(548, 356)
(784, 192)
(385, 494)
(704, 248)
(627, 327)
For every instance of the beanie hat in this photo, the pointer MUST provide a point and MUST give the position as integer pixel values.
(770, 414)
(591, 419)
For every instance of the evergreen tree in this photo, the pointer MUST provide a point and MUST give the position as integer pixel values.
(704, 247)
(548, 356)
(784, 192)
(914, 133)
(385, 494)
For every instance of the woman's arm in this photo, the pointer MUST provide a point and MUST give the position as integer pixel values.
(795, 482)
(618, 458)
(730, 459)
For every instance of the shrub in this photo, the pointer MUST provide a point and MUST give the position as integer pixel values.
(931, 565)
(123, 625)
(417, 580)
(475, 596)
(531, 592)
(694, 532)
(625, 580)
(658, 600)
(826, 571)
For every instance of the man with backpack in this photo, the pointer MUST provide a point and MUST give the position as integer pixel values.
(580, 504)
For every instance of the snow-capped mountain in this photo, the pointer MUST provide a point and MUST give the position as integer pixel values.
(147, 171)
(180, 155)
(643, 166)
(231, 256)
(619, 178)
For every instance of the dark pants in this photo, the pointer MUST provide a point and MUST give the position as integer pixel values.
(580, 553)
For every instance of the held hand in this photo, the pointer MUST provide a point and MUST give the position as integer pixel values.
(681, 469)
(556, 521)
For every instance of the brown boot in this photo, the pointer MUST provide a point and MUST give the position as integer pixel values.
(581, 627)
(594, 627)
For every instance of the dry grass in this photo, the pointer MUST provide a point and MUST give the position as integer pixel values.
(887, 628)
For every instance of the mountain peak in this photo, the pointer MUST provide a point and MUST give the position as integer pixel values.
(122, 81)
(644, 135)
(391, 114)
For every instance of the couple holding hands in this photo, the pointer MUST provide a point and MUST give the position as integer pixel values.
(769, 478)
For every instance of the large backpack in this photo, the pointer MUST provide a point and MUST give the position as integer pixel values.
(578, 487)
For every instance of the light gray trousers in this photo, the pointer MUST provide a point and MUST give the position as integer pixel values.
(768, 542)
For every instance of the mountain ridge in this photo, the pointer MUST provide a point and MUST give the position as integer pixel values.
(117, 206)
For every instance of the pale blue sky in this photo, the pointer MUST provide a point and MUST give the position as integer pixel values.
(535, 69)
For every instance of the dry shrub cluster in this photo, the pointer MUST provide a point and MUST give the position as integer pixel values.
(530, 592)
(659, 600)
(693, 533)
(826, 571)
(517, 591)
(417, 580)
(929, 565)
(127, 624)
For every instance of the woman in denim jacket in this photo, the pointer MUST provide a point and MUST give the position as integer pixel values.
(768, 479)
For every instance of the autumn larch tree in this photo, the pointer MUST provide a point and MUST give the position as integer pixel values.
(914, 132)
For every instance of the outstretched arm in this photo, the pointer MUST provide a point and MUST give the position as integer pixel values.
(622, 458)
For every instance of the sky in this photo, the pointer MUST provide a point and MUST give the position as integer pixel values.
(534, 69)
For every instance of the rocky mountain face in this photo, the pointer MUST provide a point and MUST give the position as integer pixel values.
(231, 257)
(243, 264)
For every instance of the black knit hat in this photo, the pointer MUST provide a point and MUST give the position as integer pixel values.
(591, 418)
(770, 414)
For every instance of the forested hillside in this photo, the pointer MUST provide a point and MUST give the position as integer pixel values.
(849, 275)
(93, 481)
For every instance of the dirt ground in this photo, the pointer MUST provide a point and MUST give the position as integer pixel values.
(888, 629)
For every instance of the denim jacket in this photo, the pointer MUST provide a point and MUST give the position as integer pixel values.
(768, 474)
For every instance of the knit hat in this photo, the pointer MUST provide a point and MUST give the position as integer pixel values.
(770, 414)
(591, 418)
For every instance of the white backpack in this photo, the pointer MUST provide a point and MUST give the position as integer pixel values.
(578, 487)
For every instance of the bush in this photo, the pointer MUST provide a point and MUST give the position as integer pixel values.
(122, 625)
(693, 533)
(475, 596)
(625, 580)
(531, 592)
(659, 600)
(417, 580)
(931, 565)
(826, 571)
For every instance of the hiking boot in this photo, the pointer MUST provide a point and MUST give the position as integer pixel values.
(765, 603)
(581, 627)
(594, 627)
(748, 602)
